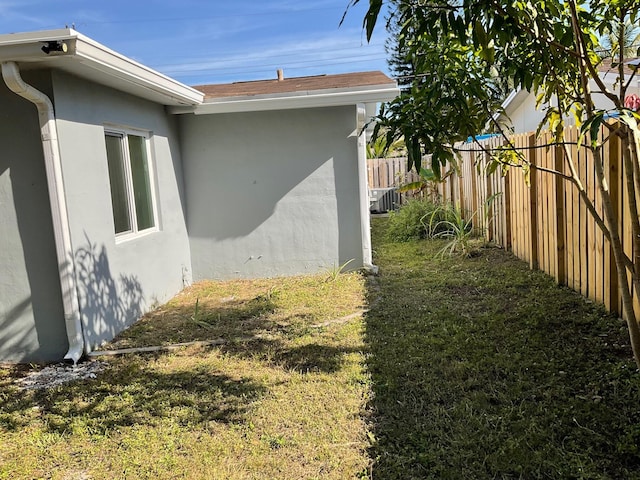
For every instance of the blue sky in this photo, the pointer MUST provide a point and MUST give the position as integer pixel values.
(215, 41)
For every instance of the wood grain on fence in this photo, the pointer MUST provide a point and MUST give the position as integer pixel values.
(389, 172)
(546, 221)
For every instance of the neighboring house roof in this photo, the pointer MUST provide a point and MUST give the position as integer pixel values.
(606, 66)
(297, 92)
(86, 58)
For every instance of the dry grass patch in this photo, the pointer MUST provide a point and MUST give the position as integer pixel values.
(287, 405)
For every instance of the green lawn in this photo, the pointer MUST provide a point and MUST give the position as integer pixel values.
(462, 368)
(482, 368)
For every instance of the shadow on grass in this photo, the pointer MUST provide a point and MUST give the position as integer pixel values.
(248, 327)
(482, 368)
(128, 393)
(133, 390)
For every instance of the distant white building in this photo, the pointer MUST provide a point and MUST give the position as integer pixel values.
(523, 116)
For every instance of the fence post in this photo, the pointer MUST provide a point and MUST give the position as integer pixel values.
(561, 256)
(533, 203)
(489, 228)
(616, 200)
(506, 197)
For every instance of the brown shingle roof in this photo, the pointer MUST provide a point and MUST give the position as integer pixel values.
(295, 84)
(606, 66)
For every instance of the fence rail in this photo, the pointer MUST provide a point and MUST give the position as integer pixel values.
(547, 223)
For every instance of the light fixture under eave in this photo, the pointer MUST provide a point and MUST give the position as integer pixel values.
(54, 46)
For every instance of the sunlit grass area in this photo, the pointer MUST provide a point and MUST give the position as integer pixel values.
(280, 400)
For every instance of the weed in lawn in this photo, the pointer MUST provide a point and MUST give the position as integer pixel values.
(197, 316)
(335, 271)
(448, 223)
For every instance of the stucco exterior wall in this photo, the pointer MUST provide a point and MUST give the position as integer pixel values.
(118, 281)
(31, 315)
(271, 193)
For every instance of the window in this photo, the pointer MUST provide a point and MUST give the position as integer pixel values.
(130, 179)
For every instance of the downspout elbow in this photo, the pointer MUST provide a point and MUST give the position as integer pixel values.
(57, 198)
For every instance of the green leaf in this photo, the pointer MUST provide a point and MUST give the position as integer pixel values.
(427, 174)
(408, 187)
(492, 166)
(592, 125)
(371, 17)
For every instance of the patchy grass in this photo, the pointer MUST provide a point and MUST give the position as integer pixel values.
(287, 405)
(482, 368)
(463, 368)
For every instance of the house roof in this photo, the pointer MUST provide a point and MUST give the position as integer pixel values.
(297, 92)
(296, 84)
(88, 59)
(91, 60)
(606, 66)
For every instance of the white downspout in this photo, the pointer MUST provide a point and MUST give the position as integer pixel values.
(64, 250)
(365, 222)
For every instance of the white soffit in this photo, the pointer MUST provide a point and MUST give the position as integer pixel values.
(93, 61)
(294, 100)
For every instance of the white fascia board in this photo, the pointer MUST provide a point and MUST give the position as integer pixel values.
(27, 47)
(113, 64)
(295, 100)
(91, 60)
(10, 39)
(514, 100)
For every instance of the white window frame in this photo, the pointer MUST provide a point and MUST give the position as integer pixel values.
(123, 133)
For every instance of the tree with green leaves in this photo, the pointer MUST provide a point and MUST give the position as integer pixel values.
(625, 38)
(447, 93)
(550, 47)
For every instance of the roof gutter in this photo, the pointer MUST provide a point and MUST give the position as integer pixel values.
(292, 100)
(365, 222)
(57, 198)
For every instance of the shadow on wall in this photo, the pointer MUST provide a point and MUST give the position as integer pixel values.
(20, 339)
(31, 312)
(108, 305)
(247, 165)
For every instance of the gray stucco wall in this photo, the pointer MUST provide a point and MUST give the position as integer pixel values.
(118, 281)
(271, 193)
(31, 316)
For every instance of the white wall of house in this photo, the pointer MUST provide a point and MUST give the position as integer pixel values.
(118, 280)
(525, 117)
(31, 314)
(272, 193)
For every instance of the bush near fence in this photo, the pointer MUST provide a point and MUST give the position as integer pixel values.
(546, 223)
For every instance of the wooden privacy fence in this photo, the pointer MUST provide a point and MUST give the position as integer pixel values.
(547, 224)
(389, 172)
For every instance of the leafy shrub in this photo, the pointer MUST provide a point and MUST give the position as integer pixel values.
(455, 228)
(420, 218)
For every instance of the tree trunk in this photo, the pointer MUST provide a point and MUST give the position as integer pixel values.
(619, 258)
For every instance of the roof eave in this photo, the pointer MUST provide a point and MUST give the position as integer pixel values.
(294, 100)
(122, 68)
(89, 59)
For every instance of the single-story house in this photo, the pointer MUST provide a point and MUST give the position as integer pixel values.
(119, 186)
(521, 114)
